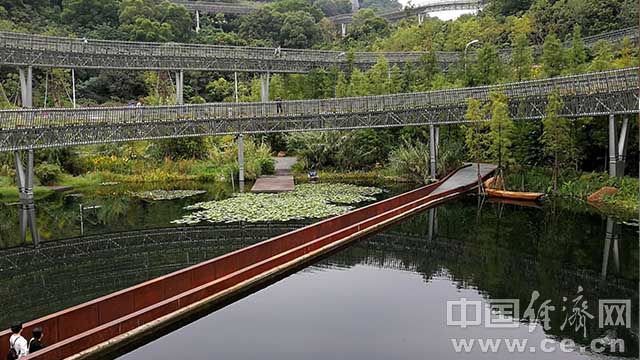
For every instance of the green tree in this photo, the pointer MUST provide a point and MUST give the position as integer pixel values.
(577, 55)
(552, 56)
(219, 90)
(489, 67)
(475, 134)
(299, 30)
(521, 58)
(555, 136)
(359, 85)
(500, 131)
(379, 77)
(603, 56)
(88, 14)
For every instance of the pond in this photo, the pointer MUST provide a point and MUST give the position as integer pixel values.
(382, 297)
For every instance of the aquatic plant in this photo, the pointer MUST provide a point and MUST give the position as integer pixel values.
(166, 194)
(306, 201)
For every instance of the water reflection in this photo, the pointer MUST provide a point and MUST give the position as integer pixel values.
(507, 252)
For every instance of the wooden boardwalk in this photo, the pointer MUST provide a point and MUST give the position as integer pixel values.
(282, 181)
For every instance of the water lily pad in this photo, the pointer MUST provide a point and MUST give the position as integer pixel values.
(307, 201)
(166, 194)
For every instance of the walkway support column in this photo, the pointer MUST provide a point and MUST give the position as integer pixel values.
(420, 19)
(433, 149)
(343, 30)
(264, 87)
(613, 147)
(26, 86)
(180, 87)
(197, 21)
(355, 5)
(618, 146)
(24, 179)
(240, 158)
(622, 146)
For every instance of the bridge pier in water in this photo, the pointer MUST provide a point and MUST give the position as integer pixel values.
(26, 86)
(618, 146)
(434, 135)
(180, 87)
(24, 178)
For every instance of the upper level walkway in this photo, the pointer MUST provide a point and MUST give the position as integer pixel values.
(18, 49)
(592, 94)
(438, 5)
(218, 7)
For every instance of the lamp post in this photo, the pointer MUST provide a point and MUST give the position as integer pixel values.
(465, 52)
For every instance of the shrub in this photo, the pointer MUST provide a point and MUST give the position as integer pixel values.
(411, 160)
(47, 173)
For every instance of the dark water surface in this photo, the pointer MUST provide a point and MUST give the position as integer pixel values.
(384, 297)
(117, 241)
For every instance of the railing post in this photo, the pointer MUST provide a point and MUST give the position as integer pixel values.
(26, 86)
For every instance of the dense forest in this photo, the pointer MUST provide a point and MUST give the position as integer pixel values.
(544, 38)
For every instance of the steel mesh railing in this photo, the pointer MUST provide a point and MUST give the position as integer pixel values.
(577, 85)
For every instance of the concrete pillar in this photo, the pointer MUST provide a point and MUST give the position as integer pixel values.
(343, 30)
(432, 150)
(613, 147)
(622, 146)
(25, 180)
(240, 158)
(355, 5)
(437, 133)
(420, 19)
(618, 146)
(26, 86)
(264, 87)
(180, 87)
(197, 21)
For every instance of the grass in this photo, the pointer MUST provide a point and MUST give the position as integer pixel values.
(579, 185)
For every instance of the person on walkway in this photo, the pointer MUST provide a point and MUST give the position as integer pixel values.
(18, 347)
(36, 343)
(279, 105)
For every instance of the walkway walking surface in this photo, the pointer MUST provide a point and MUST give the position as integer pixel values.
(281, 182)
(465, 176)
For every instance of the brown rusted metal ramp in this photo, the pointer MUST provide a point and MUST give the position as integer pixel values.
(106, 325)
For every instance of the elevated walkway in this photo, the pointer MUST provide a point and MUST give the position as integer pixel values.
(104, 326)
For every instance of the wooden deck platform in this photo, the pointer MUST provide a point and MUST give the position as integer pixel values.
(273, 184)
(282, 181)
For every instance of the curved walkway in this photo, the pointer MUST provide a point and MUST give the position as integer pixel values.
(592, 94)
(18, 49)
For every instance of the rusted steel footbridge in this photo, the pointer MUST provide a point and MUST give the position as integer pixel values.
(113, 321)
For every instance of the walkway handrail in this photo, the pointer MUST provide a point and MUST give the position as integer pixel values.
(583, 84)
